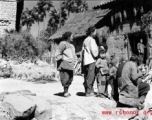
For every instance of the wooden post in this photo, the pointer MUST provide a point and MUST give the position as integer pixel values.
(128, 47)
(148, 47)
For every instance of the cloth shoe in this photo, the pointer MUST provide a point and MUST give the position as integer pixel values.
(90, 95)
(67, 94)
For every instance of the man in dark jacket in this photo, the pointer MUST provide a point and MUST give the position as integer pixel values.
(132, 90)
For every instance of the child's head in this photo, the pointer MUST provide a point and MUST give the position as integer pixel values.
(102, 53)
(110, 64)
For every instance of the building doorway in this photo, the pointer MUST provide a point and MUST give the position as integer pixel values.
(134, 39)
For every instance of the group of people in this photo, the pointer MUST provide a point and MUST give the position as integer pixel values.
(124, 78)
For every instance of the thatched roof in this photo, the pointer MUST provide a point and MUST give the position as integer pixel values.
(80, 22)
(105, 1)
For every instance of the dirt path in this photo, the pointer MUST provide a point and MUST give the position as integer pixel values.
(76, 107)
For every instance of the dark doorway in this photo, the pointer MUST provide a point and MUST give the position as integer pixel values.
(134, 39)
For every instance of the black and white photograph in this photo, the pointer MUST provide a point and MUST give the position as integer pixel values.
(75, 59)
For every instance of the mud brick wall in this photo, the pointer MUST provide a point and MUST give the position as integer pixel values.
(116, 45)
(8, 10)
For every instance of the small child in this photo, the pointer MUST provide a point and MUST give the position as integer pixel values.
(102, 72)
(112, 77)
(142, 68)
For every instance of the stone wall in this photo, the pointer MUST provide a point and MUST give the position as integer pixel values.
(116, 43)
(8, 10)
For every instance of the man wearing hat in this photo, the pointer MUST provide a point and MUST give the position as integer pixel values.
(89, 54)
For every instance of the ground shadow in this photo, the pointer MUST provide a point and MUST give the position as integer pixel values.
(123, 105)
(83, 94)
(61, 94)
(80, 94)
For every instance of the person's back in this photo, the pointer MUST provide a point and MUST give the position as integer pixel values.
(68, 55)
(127, 80)
(132, 90)
(90, 50)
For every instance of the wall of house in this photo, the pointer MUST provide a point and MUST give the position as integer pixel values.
(7, 15)
(78, 42)
(116, 42)
(117, 46)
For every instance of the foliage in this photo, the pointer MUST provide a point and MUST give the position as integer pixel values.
(39, 11)
(27, 18)
(38, 14)
(146, 20)
(21, 45)
(67, 6)
(54, 20)
(75, 6)
(45, 6)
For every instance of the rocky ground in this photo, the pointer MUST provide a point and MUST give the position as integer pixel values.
(76, 107)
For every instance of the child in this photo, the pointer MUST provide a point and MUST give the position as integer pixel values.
(112, 77)
(142, 68)
(102, 72)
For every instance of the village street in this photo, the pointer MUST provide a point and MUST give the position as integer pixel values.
(76, 107)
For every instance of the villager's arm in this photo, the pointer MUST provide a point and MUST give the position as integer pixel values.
(135, 75)
(59, 51)
(94, 48)
(98, 64)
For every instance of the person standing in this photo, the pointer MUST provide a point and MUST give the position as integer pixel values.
(89, 54)
(102, 72)
(141, 50)
(66, 59)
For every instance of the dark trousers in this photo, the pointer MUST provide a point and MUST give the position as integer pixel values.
(111, 82)
(143, 89)
(89, 77)
(66, 77)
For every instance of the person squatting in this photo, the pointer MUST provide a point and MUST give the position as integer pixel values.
(125, 77)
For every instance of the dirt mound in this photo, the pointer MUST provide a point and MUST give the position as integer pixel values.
(29, 71)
